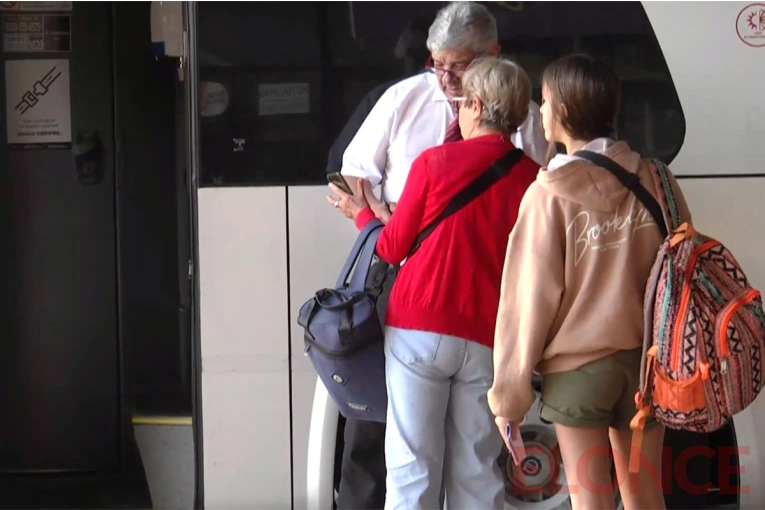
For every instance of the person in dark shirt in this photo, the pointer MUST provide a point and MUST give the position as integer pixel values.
(361, 460)
(335, 156)
(413, 53)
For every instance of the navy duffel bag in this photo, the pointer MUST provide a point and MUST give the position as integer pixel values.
(344, 335)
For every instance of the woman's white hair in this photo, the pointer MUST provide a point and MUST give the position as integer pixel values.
(464, 26)
(503, 88)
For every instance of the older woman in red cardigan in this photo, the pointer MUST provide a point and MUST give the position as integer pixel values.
(440, 320)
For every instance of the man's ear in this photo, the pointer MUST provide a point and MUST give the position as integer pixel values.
(494, 50)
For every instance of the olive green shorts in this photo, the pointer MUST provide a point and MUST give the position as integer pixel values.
(598, 394)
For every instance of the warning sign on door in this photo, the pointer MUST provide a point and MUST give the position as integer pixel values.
(36, 6)
(37, 101)
(27, 33)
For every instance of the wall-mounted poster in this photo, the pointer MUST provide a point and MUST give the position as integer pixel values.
(37, 101)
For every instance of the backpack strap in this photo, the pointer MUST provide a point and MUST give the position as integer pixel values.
(631, 182)
(643, 405)
(660, 175)
(500, 168)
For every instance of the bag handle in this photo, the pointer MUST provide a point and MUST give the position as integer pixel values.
(364, 264)
(631, 182)
(361, 240)
(500, 168)
(343, 301)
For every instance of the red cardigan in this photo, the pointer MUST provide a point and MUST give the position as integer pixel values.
(451, 285)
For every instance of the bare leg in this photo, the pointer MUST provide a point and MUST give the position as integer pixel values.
(585, 453)
(643, 490)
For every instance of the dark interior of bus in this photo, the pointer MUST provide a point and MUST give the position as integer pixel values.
(97, 294)
(97, 297)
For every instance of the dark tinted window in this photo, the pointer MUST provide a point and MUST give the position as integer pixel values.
(278, 80)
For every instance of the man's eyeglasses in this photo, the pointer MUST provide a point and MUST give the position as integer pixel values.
(456, 70)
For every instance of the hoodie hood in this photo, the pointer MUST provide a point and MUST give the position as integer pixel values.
(576, 179)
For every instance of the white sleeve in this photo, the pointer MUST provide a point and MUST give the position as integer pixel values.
(530, 137)
(367, 154)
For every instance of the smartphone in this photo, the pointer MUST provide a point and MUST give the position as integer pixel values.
(517, 450)
(338, 180)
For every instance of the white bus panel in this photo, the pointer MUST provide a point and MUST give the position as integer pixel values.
(720, 81)
(244, 324)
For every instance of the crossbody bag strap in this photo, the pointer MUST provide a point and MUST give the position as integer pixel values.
(500, 168)
(631, 182)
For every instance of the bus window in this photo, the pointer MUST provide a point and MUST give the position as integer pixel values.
(278, 81)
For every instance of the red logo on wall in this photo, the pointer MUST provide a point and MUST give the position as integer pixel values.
(9, 5)
(750, 25)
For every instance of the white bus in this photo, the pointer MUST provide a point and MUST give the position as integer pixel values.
(693, 94)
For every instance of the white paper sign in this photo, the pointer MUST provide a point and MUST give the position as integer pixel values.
(37, 101)
(27, 33)
(36, 6)
(283, 98)
(213, 98)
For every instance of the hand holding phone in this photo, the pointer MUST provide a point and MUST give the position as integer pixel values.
(515, 442)
(338, 180)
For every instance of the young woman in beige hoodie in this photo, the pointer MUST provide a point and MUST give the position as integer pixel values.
(571, 307)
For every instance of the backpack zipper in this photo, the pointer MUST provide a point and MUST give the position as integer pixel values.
(724, 320)
(685, 298)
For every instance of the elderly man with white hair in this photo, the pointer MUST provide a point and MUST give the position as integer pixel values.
(418, 113)
(413, 115)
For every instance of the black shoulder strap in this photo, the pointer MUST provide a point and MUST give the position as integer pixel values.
(631, 182)
(498, 169)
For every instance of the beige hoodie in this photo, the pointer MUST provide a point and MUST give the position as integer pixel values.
(575, 272)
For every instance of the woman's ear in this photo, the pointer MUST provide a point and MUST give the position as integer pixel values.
(477, 108)
(563, 113)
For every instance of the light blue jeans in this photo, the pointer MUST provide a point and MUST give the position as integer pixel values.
(439, 426)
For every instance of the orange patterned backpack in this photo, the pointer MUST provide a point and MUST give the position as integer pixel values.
(704, 327)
